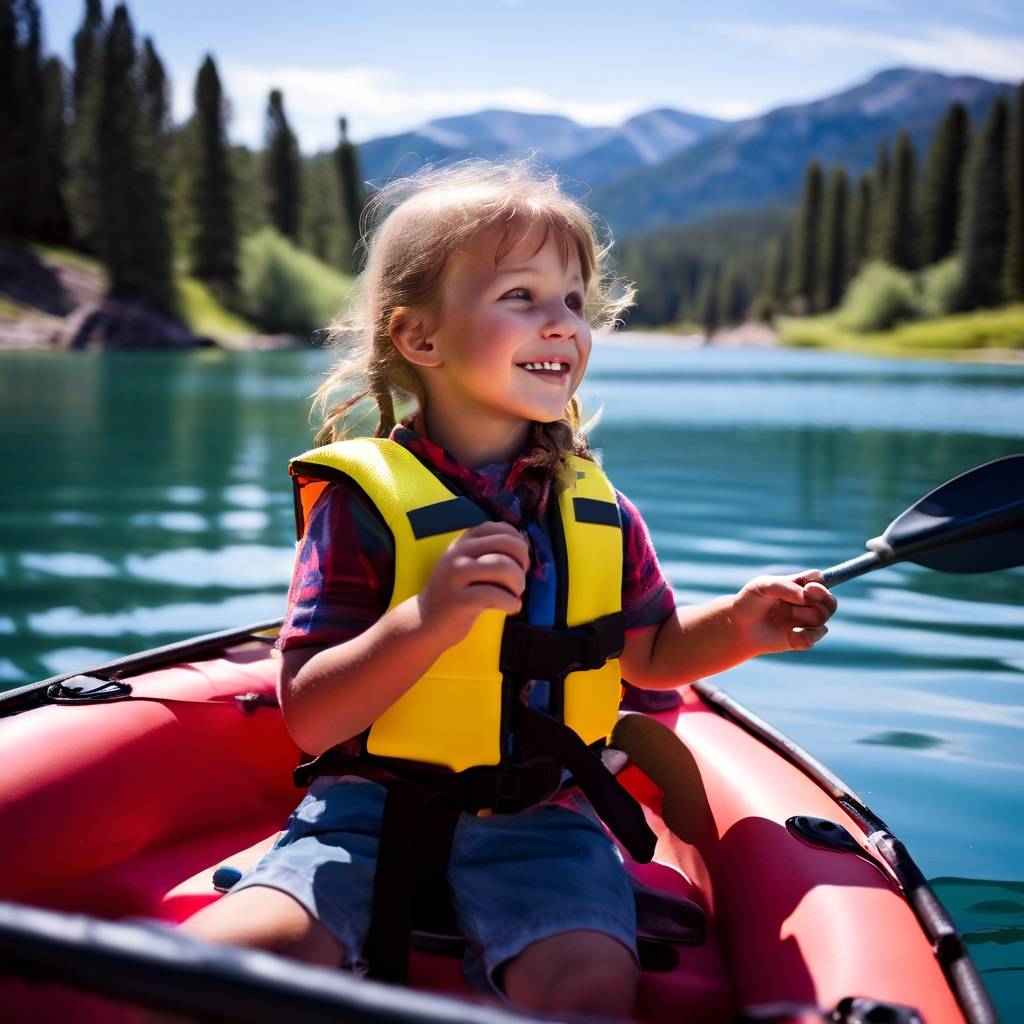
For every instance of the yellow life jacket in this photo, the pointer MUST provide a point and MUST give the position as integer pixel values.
(460, 713)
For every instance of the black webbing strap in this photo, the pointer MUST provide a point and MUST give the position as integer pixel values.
(504, 789)
(412, 858)
(616, 808)
(536, 652)
(387, 954)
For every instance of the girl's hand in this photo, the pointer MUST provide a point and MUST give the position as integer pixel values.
(484, 568)
(782, 613)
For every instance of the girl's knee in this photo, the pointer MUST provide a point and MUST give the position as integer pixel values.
(584, 971)
(263, 918)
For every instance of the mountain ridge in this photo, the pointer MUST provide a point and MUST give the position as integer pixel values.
(666, 166)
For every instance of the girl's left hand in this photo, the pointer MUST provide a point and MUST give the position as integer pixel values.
(782, 613)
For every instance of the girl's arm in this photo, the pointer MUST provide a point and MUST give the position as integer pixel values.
(770, 614)
(329, 694)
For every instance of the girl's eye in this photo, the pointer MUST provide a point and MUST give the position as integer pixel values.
(574, 300)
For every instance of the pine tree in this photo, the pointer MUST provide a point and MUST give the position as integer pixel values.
(351, 187)
(1013, 264)
(803, 283)
(55, 223)
(323, 232)
(134, 237)
(881, 182)
(10, 117)
(81, 191)
(281, 169)
(769, 295)
(22, 108)
(897, 240)
(155, 103)
(833, 241)
(983, 231)
(251, 203)
(708, 314)
(733, 297)
(211, 192)
(941, 191)
(861, 218)
(88, 49)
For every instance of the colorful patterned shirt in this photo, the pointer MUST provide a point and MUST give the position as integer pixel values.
(344, 568)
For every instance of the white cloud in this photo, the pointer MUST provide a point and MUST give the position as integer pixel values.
(375, 100)
(943, 47)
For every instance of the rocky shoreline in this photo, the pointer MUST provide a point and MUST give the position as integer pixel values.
(48, 303)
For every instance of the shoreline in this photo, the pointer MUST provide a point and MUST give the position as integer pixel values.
(748, 335)
(55, 300)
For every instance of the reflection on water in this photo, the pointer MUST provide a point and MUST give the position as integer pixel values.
(990, 916)
(150, 501)
(907, 740)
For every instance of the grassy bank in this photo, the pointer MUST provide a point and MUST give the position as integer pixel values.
(205, 316)
(990, 334)
(82, 278)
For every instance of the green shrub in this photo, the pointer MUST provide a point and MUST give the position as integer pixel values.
(285, 290)
(942, 288)
(877, 298)
(954, 335)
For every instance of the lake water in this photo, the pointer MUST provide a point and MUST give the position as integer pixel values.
(147, 500)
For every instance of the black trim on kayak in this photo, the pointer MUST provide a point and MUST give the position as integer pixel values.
(195, 648)
(155, 966)
(938, 926)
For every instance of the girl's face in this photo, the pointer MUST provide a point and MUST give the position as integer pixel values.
(512, 343)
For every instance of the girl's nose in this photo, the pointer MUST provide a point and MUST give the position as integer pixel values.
(559, 323)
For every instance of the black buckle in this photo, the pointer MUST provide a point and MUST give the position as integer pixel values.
(508, 793)
(512, 788)
(537, 652)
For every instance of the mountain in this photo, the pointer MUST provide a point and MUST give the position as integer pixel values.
(590, 154)
(667, 167)
(642, 140)
(761, 160)
(491, 133)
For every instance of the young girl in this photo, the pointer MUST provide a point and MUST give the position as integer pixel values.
(472, 550)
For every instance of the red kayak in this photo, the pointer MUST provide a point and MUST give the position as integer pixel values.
(127, 787)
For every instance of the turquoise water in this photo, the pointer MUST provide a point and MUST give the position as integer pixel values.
(147, 500)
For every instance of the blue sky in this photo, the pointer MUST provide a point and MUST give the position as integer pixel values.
(390, 65)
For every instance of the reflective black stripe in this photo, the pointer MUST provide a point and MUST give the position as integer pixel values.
(444, 517)
(590, 510)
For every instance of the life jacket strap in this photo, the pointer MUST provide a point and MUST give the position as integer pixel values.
(410, 880)
(614, 805)
(536, 652)
(503, 789)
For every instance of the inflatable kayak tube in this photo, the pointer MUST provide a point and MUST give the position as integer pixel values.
(138, 788)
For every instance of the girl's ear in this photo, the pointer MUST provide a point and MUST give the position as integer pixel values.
(411, 334)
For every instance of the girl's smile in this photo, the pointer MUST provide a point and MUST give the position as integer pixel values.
(554, 370)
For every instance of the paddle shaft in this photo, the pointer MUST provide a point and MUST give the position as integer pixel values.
(852, 569)
(940, 535)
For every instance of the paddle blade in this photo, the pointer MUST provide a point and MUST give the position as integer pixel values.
(972, 523)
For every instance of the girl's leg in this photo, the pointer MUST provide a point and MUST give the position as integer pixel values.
(579, 971)
(264, 918)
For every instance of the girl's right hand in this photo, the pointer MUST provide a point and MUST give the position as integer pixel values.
(483, 568)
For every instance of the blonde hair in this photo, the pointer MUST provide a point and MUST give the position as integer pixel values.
(411, 227)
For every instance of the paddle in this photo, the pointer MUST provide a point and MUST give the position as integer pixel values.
(972, 523)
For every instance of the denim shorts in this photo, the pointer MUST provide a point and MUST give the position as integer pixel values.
(515, 878)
